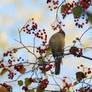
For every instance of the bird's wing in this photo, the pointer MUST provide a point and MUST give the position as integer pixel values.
(56, 43)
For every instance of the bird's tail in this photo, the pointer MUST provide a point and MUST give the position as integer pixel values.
(57, 65)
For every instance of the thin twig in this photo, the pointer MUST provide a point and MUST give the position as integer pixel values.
(34, 45)
(85, 32)
(57, 11)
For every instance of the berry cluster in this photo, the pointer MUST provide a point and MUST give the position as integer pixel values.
(11, 74)
(20, 68)
(85, 3)
(41, 34)
(77, 9)
(32, 80)
(82, 24)
(9, 53)
(53, 4)
(43, 83)
(76, 51)
(20, 59)
(84, 89)
(41, 50)
(8, 87)
(66, 85)
(45, 67)
(30, 28)
(66, 9)
(88, 69)
(1, 63)
(28, 81)
(57, 26)
(10, 60)
(25, 88)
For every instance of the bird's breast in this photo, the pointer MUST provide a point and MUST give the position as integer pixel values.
(57, 42)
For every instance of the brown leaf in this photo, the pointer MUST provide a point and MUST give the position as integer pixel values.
(64, 8)
(39, 89)
(80, 76)
(22, 70)
(3, 71)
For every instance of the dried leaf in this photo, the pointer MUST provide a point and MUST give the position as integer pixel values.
(80, 76)
(3, 71)
(22, 70)
(64, 8)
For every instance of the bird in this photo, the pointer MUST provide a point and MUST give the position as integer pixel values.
(56, 44)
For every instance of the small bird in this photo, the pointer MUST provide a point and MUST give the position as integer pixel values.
(56, 43)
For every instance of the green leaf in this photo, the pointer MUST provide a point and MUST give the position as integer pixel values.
(20, 82)
(90, 18)
(27, 82)
(77, 11)
(41, 59)
(41, 90)
(75, 83)
(80, 76)
(48, 51)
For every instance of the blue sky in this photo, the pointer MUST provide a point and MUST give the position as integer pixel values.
(14, 14)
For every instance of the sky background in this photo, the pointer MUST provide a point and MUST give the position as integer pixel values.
(15, 13)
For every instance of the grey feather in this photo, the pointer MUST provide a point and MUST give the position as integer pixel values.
(56, 43)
